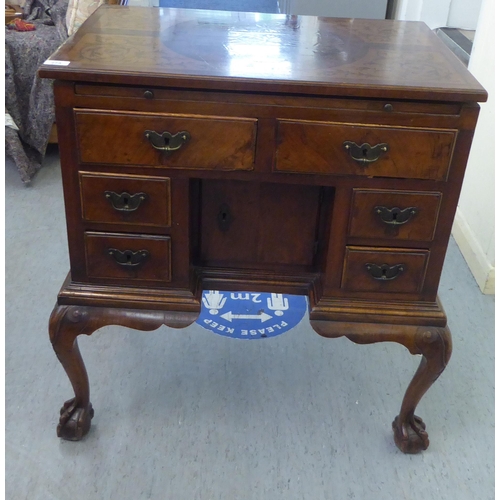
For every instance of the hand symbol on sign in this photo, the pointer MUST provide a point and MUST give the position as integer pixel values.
(214, 300)
(277, 303)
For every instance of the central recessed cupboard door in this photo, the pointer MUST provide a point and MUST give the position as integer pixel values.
(261, 225)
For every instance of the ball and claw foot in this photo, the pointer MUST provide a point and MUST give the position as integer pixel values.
(410, 437)
(74, 423)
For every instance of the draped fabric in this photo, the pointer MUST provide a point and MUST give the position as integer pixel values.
(29, 99)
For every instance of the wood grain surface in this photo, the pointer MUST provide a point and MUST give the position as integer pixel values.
(119, 138)
(264, 52)
(357, 278)
(97, 205)
(318, 147)
(154, 268)
(366, 222)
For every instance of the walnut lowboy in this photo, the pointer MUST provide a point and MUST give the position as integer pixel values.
(313, 169)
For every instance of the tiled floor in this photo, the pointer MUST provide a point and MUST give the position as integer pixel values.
(190, 415)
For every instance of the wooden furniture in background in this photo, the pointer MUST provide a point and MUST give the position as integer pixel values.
(13, 12)
(203, 150)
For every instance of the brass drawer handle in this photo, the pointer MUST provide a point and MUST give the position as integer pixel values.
(128, 258)
(395, 216)
(384, 272)
(125, 202)
(365, 153)
(166, 141)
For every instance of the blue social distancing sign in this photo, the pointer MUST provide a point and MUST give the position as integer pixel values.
(247, 315)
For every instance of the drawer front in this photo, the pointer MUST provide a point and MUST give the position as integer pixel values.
(124, 257)
(213, 143)
(394, 215)
(125, 199)
(320, 148)
(384, 270)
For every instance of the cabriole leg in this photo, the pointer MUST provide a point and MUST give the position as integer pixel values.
(433, 343)
(66, 323)
(409, 430)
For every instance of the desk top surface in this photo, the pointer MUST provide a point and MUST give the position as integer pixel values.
(243, 51)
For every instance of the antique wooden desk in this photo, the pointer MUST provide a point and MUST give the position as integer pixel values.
(238, 151)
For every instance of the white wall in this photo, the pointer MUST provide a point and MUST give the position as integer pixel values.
(464, 14)
(432, 12)
(474, 228)
(440, 13)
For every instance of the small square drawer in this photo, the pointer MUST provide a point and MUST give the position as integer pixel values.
(384, 270)
(126, 257)
(394, 215)
(125, 199)
(164, 140)
(367, 150)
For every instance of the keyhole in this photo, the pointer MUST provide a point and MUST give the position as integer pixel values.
(384, 273)
(394, 216)
(365, 152)
(224, 217)
(129, 258)
(125, 201)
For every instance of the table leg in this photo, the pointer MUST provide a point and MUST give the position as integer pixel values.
(409, 430)
(66, 323)
(433, 343)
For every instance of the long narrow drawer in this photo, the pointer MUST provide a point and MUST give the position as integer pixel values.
(368, 150)
(384, 270)
(126, 257)
(125, 199)
(175, 141)
(394, 215)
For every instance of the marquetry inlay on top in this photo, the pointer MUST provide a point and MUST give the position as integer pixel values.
(267, 52)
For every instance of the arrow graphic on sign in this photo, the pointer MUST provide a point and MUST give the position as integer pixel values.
(230, 316)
